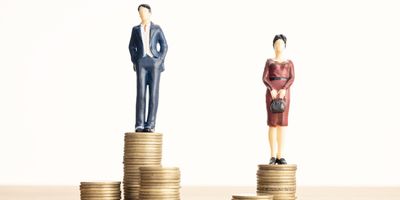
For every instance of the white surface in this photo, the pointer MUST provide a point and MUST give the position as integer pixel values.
(68, 89)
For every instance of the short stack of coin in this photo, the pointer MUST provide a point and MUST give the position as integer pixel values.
(159, 183)
(100, 190)
(140, 150)
(277, 180)
(252, 197)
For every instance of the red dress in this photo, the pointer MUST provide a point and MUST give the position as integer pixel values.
(278, 70)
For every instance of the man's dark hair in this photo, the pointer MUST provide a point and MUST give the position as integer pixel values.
(277, 37)
(144, 6)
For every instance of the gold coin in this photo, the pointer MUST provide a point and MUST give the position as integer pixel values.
(129, 162)
(100, 198)
(252, 196)
(148, 155)
(285, 198)
(160, 180)
(159, 197)
(275, 190)
(278, 167)
(153, 194)
(159, 153)
(144, 139)
(275, 175)
(101, 183)
(144, 171)
(283, 187)
(143, 149)
(131, 187)
(141, 133)
(176, 197)
(142, 143)
(150, 146)
(155, 157)
(160, 177)
(98, 187)
(158, 190)
(143, 136)
(276, 178)
(266, 182)
(160, 168)
(102, 195)
(160, 187)
(99, 190)
(145, 160)
(275, 172)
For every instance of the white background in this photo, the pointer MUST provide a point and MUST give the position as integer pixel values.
(68, 89)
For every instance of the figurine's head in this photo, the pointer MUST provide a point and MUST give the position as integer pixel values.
(144, 12)
(279, 42)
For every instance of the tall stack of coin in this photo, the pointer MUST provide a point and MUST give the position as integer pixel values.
(100, 190)
(252, 197)
(141, 149)
(159, 183)
(277, 180)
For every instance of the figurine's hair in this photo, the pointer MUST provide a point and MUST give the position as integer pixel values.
(278, 37)
(144, 6)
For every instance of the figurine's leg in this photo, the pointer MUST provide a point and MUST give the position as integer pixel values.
(272, 140)
(140, 97)
(154, 84)
(281, 140)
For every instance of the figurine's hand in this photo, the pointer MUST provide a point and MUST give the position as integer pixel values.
(274, 93)
(282, 93)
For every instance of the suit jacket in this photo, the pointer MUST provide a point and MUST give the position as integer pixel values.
(156, 37)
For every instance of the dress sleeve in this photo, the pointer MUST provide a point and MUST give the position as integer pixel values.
(266, 80)
(291, 76)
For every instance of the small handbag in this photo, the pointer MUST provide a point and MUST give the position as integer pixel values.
(277, 105)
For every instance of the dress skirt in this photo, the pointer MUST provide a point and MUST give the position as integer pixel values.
(278, 119)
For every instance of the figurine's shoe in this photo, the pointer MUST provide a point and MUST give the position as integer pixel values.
(139, 130)
(148, 130)
(272, 161)
(281, 161)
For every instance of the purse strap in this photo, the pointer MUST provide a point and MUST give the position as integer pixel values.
(284, 98)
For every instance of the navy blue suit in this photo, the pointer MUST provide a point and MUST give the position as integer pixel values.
(148, 71)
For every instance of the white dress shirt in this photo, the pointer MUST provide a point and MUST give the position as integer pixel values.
(146, 39)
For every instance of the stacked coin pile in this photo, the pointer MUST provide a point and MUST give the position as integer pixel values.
(159, 183)
(141, 149)
(277, 180)
(252, 197)
(100, 190)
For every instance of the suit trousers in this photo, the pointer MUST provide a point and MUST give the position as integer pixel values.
(148, 74)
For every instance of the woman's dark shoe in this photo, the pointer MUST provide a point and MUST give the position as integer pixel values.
(272, 161)
(281, 161)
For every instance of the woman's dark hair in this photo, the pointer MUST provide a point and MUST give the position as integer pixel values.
(277, 37)
(144, 6)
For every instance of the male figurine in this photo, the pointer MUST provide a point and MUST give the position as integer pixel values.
(148, 63)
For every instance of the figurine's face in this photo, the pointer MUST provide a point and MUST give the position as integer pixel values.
(279, 45)
(144, 14)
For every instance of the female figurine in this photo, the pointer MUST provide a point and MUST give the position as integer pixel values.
(278, 76)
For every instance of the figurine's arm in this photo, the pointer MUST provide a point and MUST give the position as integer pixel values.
(133, 50)
(163, 45)
(266, 80)
(291, 77)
